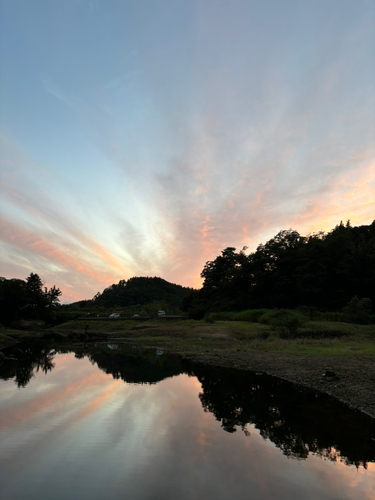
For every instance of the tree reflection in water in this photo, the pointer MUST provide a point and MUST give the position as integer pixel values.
(298, 421)
(24, 360)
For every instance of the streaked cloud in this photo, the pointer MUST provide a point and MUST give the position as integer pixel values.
(145, 144)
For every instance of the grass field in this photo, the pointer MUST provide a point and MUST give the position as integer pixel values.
(336, 338)
(316, 337)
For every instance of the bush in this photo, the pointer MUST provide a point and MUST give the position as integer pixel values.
(220, 316)
(252, 315)
(209, 319)
(284, 321)
(196, 313)
(311, 312)
(322, 334)
(358, 311)
(332, 316)
(263, 335)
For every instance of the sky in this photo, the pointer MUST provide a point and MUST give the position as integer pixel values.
(142, 137)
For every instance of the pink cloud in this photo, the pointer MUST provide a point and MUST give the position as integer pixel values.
(17, 415)
(68, 259)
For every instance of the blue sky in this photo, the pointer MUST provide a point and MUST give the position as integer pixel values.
(140, 138)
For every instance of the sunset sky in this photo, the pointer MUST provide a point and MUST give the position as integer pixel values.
(141, 138)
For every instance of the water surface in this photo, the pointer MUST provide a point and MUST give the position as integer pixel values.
(111, 422)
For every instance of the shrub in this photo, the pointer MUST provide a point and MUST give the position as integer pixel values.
(322, 334)
(357, 310)
(284, 321)
(196, 313)
(332, 316)
(263, 335)
(221, 316)
(252, 315)
(209, 319)
(311, 312)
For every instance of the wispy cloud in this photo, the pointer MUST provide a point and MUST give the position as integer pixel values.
(55, 91)
(181, 136)
(64, 256)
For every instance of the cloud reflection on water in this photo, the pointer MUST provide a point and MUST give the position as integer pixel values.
(143, 440)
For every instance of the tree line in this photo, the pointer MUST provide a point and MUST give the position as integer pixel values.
(321, 270)
(327, 271)
(26, 299)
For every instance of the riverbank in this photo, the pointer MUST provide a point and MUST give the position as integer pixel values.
(343, 367)
(350, 379)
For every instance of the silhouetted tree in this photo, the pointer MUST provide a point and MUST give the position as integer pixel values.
(40, 298)
(24, 299)
(13, 297)
(323, 270)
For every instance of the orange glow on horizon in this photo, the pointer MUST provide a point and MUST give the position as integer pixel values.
(352, 197)
(24, 239)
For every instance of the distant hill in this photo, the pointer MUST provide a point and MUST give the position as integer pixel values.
(141, 290)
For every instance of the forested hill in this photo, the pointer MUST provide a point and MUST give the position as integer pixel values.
(141, 290)
(322, 270)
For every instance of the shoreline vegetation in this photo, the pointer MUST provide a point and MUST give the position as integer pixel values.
(335, 358)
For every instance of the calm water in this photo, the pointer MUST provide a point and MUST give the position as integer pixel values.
(118, 423)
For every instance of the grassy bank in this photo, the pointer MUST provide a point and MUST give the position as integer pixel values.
(315, 337)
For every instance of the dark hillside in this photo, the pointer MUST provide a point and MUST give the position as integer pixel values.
(141, 290)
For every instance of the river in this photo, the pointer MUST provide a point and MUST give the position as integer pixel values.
(112, 421)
